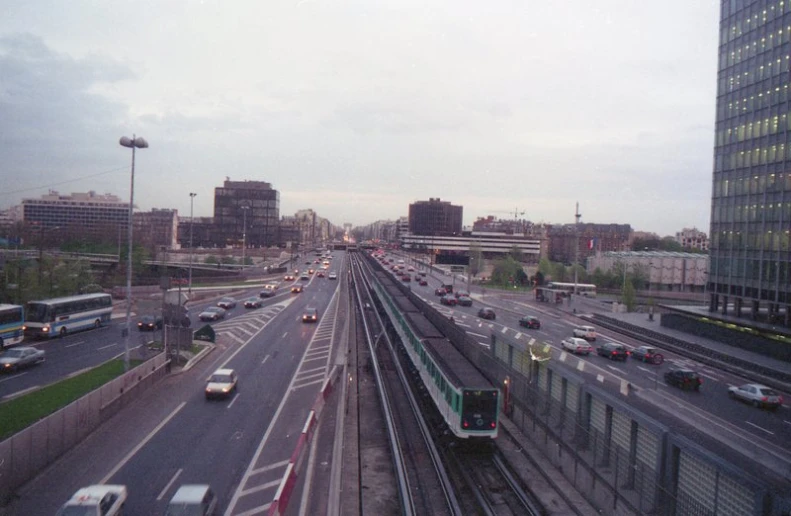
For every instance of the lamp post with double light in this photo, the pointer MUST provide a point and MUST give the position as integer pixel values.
(189, 281)
(132, 143)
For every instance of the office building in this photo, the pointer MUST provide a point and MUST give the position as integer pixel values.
(435, 217)
(246, 210)
(79, 215)
(156, 229)
(750, 269)
(570, 242)
(691, 238)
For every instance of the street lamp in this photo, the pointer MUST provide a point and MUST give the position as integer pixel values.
(244, 232)
(133, 143)
(189, 288)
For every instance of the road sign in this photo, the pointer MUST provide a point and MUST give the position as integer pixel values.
(457, 268)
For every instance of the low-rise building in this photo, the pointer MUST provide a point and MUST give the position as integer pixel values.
(664, 270)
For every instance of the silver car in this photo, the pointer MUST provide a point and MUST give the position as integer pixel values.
(757, 395)
(212, 313)
(17, 358)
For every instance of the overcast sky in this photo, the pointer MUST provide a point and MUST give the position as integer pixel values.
(356, 108)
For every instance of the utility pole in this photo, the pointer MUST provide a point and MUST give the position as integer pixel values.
(189, 282)
(577, 216)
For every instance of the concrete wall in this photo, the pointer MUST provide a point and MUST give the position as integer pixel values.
(26, 453)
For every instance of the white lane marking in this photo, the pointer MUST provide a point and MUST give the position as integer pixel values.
(265, 359)
(142, 443)
(462, 324)
(787, 422)
(760, 428)
(12, 377)
(644, 369)
(235, 397)
(284, 335)
(614, 368)
(167, 487)
(710, 377)
(505, 329)
(108, 346)
(75, 344)
(518, 335)
(477, 334)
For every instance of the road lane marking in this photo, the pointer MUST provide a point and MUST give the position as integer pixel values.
(235, 397)
(74, 344)
(614, 368)
(284, 335)
(760, 428)
(644, 369)
(142, 443)
(477, 334)
(167, 487)
(108, 346)
(264, 360)
(12, 377)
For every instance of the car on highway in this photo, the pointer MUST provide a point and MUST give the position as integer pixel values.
(212, 313)
(585, 332)
(464, 301)
(756, 395)
(685, 379)
(460, 293)
(406, 278)
(320, 274)
(17, 358)
(448, 288)
(150, 323)
(99, 500)
(296, 289)
(311, 271)
(252, 302)
(422, 282)
(440, 291)
(192, 499)
(487, 313)
(410, 269)
(448, 300)
(310, 315)
(613, 351)
(304, 277)
(422, 273)
(271, 286)
(530, 322)
(576, 345)
(648, 354)
(221, 384)
(227, 303)
(332, 275)
(267, 293)
(288, 277)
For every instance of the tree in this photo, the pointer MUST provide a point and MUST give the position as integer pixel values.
(476, 259)
(629, 296)
(559, 272)
(545, 267)
(539, 278)
(599, 278)
(506, 272)
(669, 243)
(517, 254)
(211, 260)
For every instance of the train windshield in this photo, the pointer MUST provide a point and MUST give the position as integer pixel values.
(480, 402)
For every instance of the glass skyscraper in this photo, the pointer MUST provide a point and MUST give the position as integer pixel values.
(750, 270)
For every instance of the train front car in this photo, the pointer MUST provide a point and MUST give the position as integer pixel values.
(479, 412)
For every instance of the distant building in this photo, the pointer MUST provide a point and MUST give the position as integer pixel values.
(567, 242)
(491, 244)
(435, 217)
(156, 228)
(248, 210)
(203, 233)
(79, 215)
(290, 236)
(664, 270)
(491, 224)
(402, 227)
(691, 238)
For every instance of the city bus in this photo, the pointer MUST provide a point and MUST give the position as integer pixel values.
(59, 316)
(583, 289)
(11, 325)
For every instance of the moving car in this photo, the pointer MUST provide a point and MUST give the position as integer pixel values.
(150, 323)
(104, 500)
(17, 358)
(683, 379)
(464, 301)
(222, 383)
(406, 278)
(448, 288)
(267, 293)
(320, 274)
(227, 303)
(304, 277)
(757, 395)
(288, 277)
(296, 289)
(310, 315)
(332, 275)
(449, 300)
(460, 293)
(648, 354)
(576, 345)
(271, 286)
(585, 332)
(253, 302)
(440, 292)
(212, 313)
(422, 282)
(311, 271)
(192, 499)
(531, 322)
(487, 313)
(613, 351)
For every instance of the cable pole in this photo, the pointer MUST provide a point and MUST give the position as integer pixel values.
(577, 216)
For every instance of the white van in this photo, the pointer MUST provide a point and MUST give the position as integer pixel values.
(197, 499)
(585, 332)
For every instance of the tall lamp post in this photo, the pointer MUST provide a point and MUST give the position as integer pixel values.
(244, 233)
(189, 287)
(133, 143)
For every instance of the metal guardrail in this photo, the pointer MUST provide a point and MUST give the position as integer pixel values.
(697, 352)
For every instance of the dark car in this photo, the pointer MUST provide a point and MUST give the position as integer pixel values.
(648, 354)
(310, 315)
(448, 288)
(613, 351)
(487, 313)
(448, 300)
(531, 322)
(440, 292)
(422, 282)
(684, 379)
(464, 301)
(406, 278)
(149, 323)
(460, 293)
(253, 302)
(296, 289)
(227, 303)
(267, 293)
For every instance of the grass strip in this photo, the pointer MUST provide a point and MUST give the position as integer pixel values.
(21, 412)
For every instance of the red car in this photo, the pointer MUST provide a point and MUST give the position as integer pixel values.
(422, 282)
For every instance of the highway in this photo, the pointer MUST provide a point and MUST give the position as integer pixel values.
(240, 445)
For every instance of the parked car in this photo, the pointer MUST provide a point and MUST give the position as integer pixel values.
(192, 499)
(757, 395)
(310, 315)
(464, 301)
(104, 500)
(449, 300)
(227, 303)
(17, 358)
(613, 351)
(487, 313)
(296, 289)
(221, 384)
(648, 354)
(212, 313)
(576, 345)
(585, 332)
(531, 322)
(684, 379)
(150, 323)
(253, 302)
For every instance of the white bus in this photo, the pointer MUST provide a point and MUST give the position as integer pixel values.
(57, 317)
(583, 289)
(11, 325)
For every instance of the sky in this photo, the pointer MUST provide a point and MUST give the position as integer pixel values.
(357, 108)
